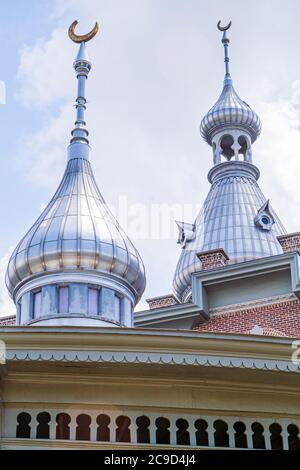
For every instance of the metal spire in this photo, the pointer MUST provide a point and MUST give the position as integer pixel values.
(79, 144)
(225, 42)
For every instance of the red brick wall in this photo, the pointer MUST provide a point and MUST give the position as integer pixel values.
(290, 242)
(281, 317)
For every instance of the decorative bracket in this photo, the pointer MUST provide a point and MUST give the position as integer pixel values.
(186, 233)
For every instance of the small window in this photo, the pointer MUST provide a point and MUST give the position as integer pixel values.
(63, 299)
(37, 303)
(265, 220)
(93, 301)
(117, 308)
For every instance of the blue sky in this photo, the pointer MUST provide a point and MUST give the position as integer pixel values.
(157, 68)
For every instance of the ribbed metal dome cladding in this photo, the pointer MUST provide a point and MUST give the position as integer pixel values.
(226, 221)
(76, 232)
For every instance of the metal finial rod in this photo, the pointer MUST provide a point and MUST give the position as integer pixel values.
(225, 42)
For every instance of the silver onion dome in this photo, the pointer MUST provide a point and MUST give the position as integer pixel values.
(76, 266)
(235, 216)
(228, 112)
(77, 232)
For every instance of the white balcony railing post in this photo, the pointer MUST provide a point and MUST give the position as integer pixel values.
(152, 429)
(210, 431)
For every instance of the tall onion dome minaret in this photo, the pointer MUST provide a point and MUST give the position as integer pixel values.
(76, 266)
(235, 216)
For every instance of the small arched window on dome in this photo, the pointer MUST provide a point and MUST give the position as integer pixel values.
(245, 148)
(226, 146)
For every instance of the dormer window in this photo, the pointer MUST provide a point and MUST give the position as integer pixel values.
(37, 303)
(264, 219)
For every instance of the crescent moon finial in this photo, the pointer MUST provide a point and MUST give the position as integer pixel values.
(223, 28)
(84, 37)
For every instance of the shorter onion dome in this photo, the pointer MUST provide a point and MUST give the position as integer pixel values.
(230, 110)
(76, 266)
(236, 217)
